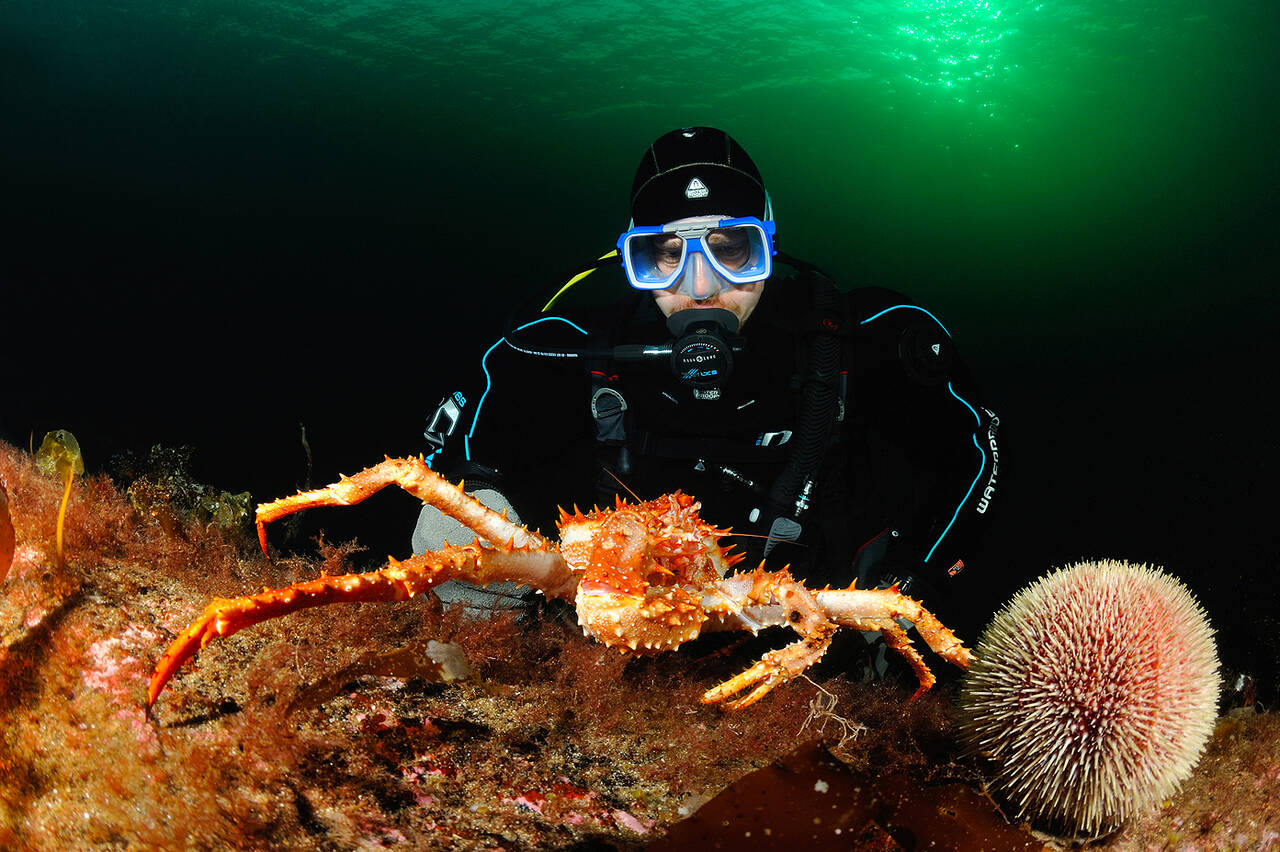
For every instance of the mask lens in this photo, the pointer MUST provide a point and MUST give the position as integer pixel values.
(739, 253)
(653, 261)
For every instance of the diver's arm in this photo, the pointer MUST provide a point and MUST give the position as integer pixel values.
(943, 502)
(966, 485)
(938, 443)
(515, 442)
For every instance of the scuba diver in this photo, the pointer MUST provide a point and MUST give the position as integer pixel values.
(839, 430)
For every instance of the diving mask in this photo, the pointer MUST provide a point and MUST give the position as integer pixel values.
(718, 252)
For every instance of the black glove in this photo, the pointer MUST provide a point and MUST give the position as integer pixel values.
(883, 561)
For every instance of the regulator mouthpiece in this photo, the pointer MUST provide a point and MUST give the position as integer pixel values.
(702, 356)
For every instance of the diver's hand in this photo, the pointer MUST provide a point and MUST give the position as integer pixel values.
(884, 562)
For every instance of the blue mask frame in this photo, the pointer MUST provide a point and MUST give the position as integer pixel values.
(635, 248)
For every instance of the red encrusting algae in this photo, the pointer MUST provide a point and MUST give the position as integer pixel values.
(333, 728)
(6, 535)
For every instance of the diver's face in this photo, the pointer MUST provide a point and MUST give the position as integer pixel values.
(700, 286)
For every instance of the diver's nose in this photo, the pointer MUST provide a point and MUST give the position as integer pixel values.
(703, 284)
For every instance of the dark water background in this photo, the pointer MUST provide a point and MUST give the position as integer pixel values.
(219, 220)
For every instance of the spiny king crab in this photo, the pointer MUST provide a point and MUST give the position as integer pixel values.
(646, 577)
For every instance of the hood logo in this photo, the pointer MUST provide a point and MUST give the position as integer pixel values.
(696, 189)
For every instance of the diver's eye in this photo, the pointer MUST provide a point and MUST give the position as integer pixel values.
(666, 250)
(732, 248)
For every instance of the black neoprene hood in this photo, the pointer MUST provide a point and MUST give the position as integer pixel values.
(695, 171)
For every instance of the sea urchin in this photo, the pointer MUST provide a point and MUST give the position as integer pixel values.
(1092, 693)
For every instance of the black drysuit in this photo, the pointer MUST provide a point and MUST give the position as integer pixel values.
(906, 458)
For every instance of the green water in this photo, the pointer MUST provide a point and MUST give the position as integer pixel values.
(1029, 150)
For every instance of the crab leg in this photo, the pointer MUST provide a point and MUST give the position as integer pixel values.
(879, 609)
(414, 476)
(762, 600)
(519, 555)
(398, 581)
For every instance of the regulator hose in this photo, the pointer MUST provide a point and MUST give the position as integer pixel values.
(788, 497)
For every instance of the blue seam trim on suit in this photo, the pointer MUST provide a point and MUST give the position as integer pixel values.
(976, 418)
(981, 467)
(488, 379)
(911, 307)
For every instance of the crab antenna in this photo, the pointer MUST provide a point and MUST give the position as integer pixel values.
(765, 536)
(633, 494)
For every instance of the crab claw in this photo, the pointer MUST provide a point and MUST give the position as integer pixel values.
(805, 616)
(774, 668)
